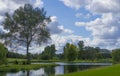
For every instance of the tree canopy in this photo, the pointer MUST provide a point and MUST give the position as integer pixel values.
(27, 25)
(70, 52)
(49, 52)
(116, 56)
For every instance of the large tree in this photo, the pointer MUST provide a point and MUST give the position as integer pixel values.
(26, 26)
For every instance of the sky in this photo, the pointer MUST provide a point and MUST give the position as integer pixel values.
(96, 22)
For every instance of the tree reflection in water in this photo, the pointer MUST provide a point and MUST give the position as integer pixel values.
(50, 70)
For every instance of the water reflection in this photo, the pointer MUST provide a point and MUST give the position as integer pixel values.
(51, 71)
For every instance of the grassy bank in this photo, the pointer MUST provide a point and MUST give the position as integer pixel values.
(103, 71)
(11, 60)
(15, 68)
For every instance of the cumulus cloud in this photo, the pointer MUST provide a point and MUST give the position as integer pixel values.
(104, 29)
(104, 6)
(56, 28)
(74, 3)
(84, 16)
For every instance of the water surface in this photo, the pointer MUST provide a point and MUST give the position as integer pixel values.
(56, 70)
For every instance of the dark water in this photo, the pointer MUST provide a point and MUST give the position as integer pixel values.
(53, 71)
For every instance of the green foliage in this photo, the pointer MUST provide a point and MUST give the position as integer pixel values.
(91, 53)
(80, 49)
(15, 55)
(26, 25)
(81, 45)
(49, 52)
(70, 52)
(116, 56)
(3, 53)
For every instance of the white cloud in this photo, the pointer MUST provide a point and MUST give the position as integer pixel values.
(64, 30)
(78, 15)
(105, 31)
(105, 27)
(74, 3)
(53, 18)
(11, 5)
(38, 3)
(104, 6)
(56, 28)
(81, 15)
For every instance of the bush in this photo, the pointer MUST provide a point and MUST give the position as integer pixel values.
(24, 63)
(3, 53)
(16, 62)
(14, 70)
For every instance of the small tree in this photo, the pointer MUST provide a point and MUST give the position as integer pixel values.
(70, 52)
(49, 52)
(3, 53)
(27, 25)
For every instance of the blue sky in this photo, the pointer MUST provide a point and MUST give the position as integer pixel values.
(96, 22)
(66, 16)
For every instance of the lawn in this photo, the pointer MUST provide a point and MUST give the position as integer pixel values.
(103, 71)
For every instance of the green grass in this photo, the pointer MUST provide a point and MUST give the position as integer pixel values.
(103, 71)
(15, 68)
(35, 60)
(96, 61)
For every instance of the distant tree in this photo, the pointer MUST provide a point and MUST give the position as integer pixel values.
(60, 56)
(53, 51)
(90, 53)
(45, 54)
(3, 53)
(116, 55)
(70, 52)
(65, 52)
(81, 45)
(49, 52)
(27, 25)
(15, 55)
(80, 49)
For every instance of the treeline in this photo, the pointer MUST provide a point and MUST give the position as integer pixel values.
(80, 52)
(15, 55)
(70, 52)
(75, 52)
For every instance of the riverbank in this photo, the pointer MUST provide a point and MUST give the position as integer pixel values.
(11, 60)
(102, 71)
(15, 68)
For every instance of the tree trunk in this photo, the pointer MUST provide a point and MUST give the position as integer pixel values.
(28, 55)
